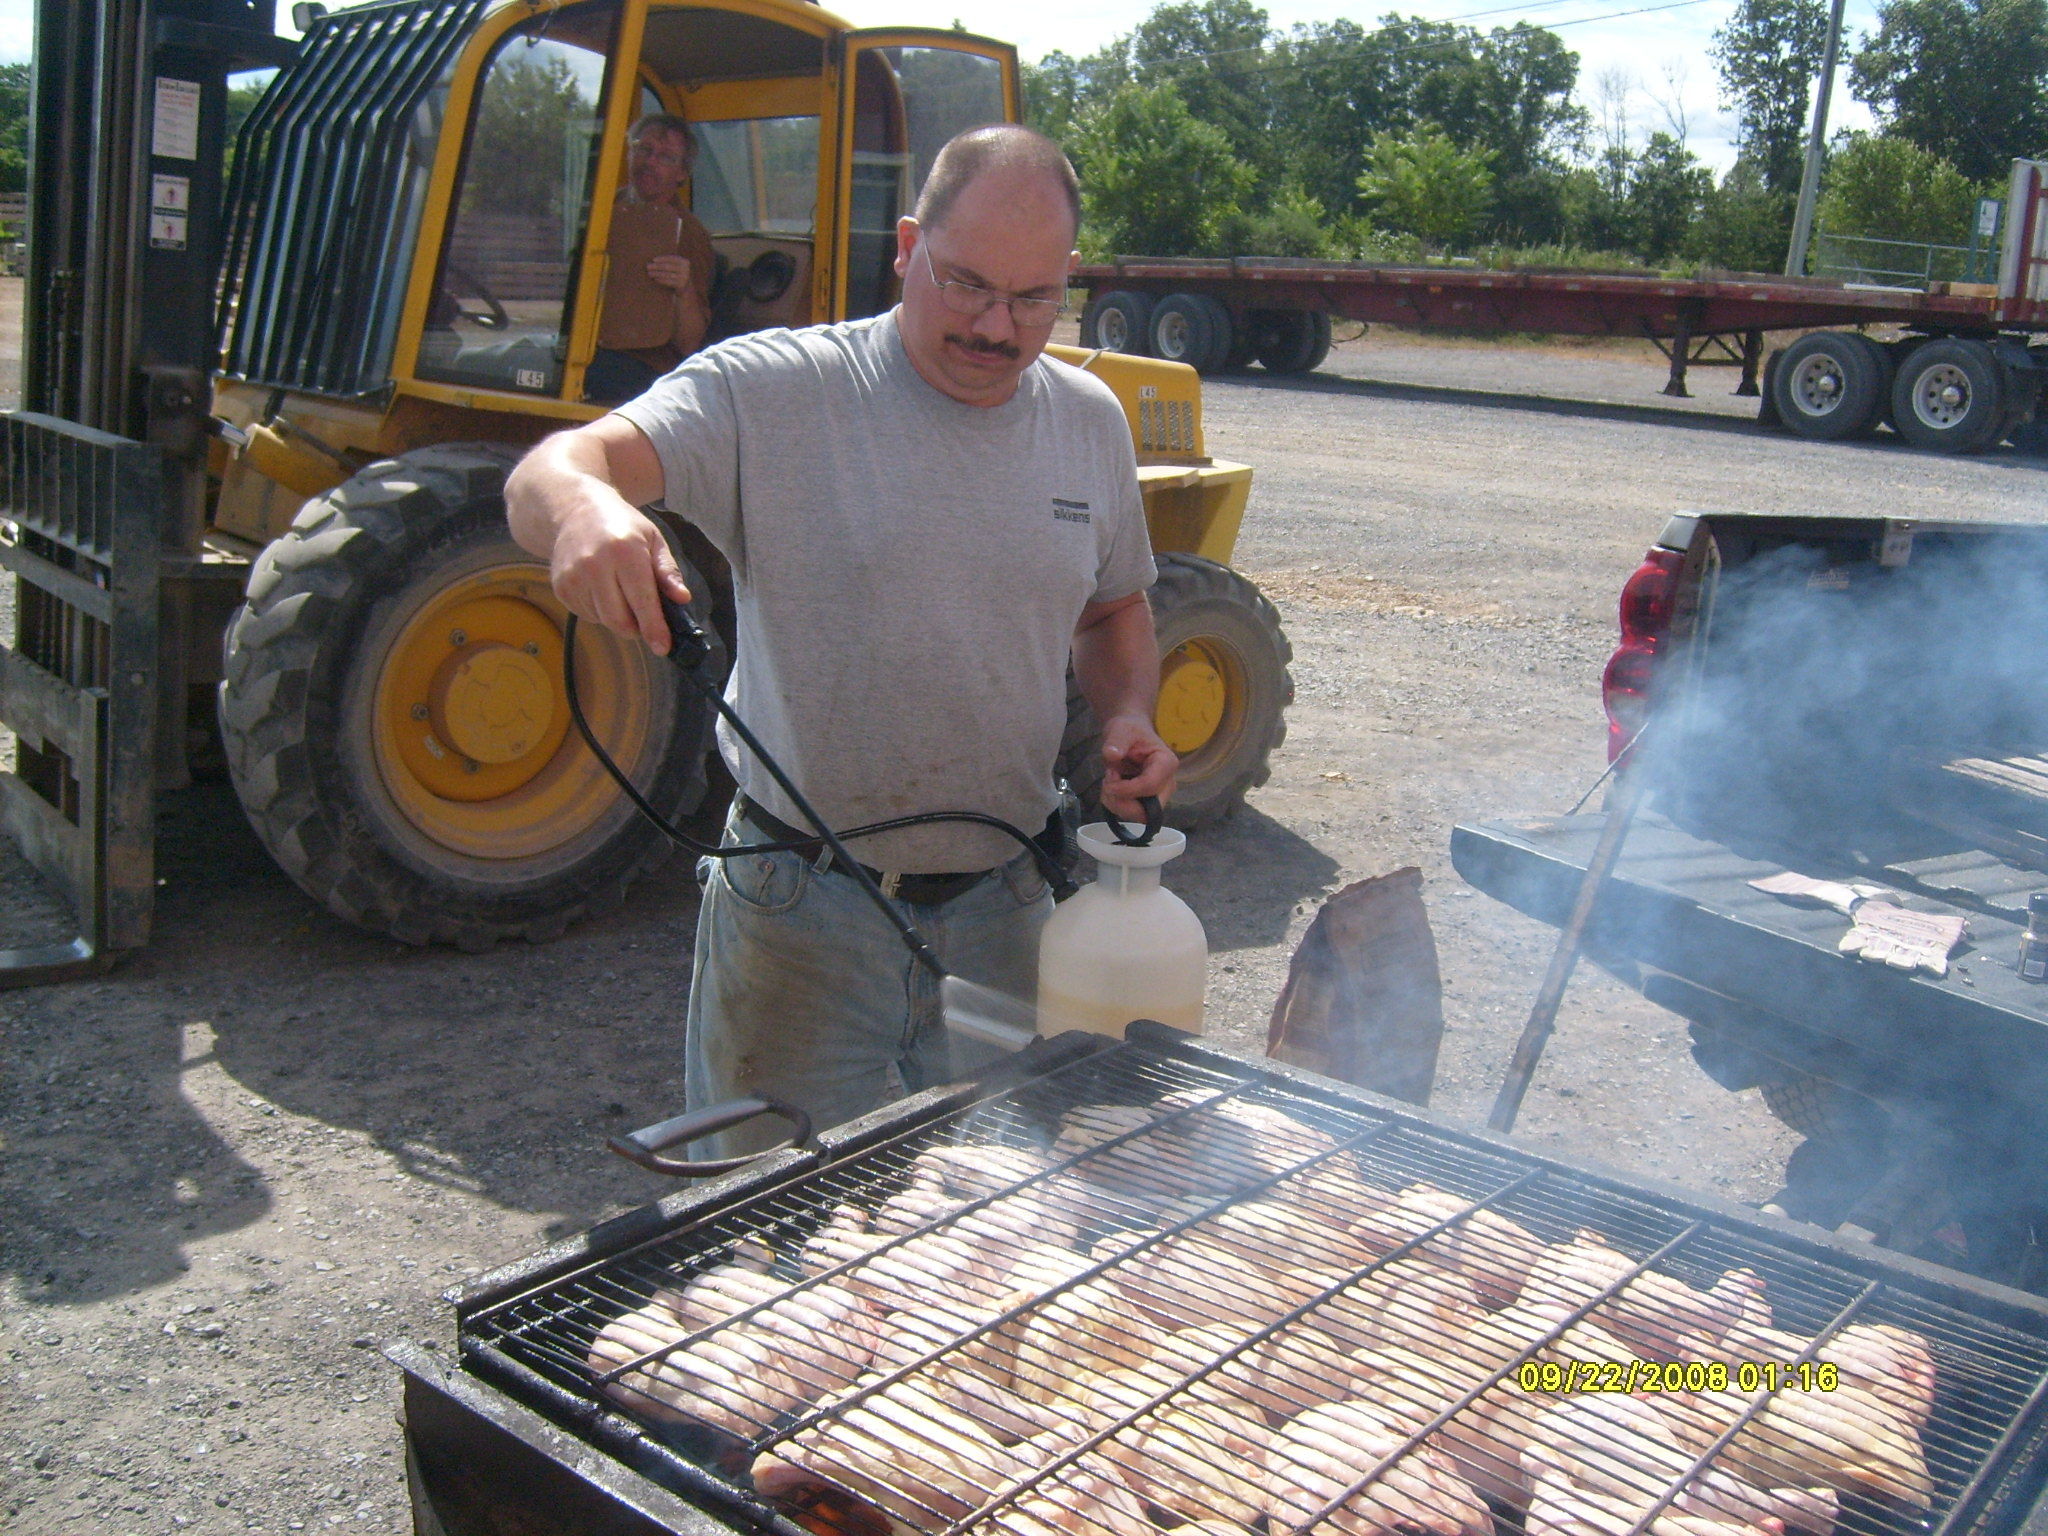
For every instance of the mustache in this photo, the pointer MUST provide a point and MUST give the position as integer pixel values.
(1003, 349)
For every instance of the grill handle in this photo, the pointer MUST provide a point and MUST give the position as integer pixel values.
(645, 1146)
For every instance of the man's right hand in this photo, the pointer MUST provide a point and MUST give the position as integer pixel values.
(572, 502)
(611, 565)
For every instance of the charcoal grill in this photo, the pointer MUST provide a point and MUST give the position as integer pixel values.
(521, 1433)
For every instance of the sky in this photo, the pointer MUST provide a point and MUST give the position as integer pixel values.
(1657, 55)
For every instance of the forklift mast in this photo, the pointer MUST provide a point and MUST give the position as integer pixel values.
(103, 473)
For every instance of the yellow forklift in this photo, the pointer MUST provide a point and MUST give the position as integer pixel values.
(404, 276)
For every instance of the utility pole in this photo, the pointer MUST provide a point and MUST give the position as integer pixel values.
(1809, 179)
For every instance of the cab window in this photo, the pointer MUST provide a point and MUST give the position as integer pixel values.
(505, 286)
(908, 101)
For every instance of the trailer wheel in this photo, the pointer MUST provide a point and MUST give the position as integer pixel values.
(395, 725)
(1886, 366)
(1223, 692)
(1191, 328)
(1120, 321)
(1950, 395)
(1826, 385)
(1290, 341)
(1767, 397)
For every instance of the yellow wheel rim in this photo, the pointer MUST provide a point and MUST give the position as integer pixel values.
(472, 729)
(1195, 695)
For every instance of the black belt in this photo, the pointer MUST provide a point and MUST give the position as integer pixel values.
(925, 890)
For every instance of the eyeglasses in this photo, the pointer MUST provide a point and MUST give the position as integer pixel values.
(968, 299)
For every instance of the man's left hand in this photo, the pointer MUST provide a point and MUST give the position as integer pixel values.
(1136, 763)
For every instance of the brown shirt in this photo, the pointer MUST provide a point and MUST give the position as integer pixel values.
(659, 326)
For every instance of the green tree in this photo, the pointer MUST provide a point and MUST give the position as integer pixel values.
(1060, 89)
(1743, 225)
(14, 129)
(1769, 55)
(522, 127)
(1213, 53)
(1424, 182)
(1880, 185)
(1966, 80)
(1155, 179)
(1337, 87)
(1667, 187)
(1294, 223)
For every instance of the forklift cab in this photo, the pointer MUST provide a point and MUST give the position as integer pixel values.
(811, 141)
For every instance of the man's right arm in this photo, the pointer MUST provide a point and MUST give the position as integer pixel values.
(575, 501)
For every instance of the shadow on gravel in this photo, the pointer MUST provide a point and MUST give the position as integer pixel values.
(1245, 876)
(497, 1075)
(2029, 453)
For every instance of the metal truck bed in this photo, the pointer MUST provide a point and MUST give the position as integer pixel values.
(1680, 907)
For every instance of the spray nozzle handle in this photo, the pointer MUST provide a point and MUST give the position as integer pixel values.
(1154, 817)
(688, 645)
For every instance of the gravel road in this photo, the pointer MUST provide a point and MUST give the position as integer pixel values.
(238, 1165)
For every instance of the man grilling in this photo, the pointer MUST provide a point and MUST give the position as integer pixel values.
(923, 518)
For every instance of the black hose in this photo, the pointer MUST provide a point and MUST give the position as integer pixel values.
(689, 647)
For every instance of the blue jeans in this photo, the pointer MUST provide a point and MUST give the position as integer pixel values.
(802, 992)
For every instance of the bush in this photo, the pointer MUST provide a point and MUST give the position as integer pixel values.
(1294, 224)
(1424, 183)
(1155, 180)
(1882, 187)
(1743, 226)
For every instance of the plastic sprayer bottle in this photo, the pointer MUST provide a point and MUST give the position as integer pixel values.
(1123, 948)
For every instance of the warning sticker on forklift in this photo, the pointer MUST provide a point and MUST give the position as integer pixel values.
(175, 133)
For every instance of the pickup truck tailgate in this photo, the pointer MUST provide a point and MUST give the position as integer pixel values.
(1679, 907)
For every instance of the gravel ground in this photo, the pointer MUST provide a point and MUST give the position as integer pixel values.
(242, 1162)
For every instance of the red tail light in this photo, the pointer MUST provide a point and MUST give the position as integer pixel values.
(1646, 601)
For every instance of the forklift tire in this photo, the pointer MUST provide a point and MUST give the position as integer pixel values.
(1223, 695)
(395, 724)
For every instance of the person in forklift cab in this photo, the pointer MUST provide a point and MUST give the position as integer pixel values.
(924, 519)
(657, 290)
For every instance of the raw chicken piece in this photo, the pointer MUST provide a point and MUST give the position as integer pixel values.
(1484, 1441)
(1493, 1252)
(970, 1172)
(1297, 1369)
(1193, 1280)
(1603, 1461)
(733, 1385)
(1073, 1502)
(1654, 1312)
(822, 1336)
(1848, 1439)
(904, 1451)
(1318, 1455)
(1088, 1330)
(1199, 1461)
(966, 1378)
(1409, 1301)
(1892, 1364)
(1135, 1177)
(1273, 1236)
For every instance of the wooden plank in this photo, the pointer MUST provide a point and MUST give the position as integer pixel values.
(59, 851)
(67, 586)
(41, 706)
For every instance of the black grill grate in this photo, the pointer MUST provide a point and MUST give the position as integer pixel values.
(1228, 1134)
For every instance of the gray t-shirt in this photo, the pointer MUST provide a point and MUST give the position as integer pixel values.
(908, 569)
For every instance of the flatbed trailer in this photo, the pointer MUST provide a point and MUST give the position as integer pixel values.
(1966, 369)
